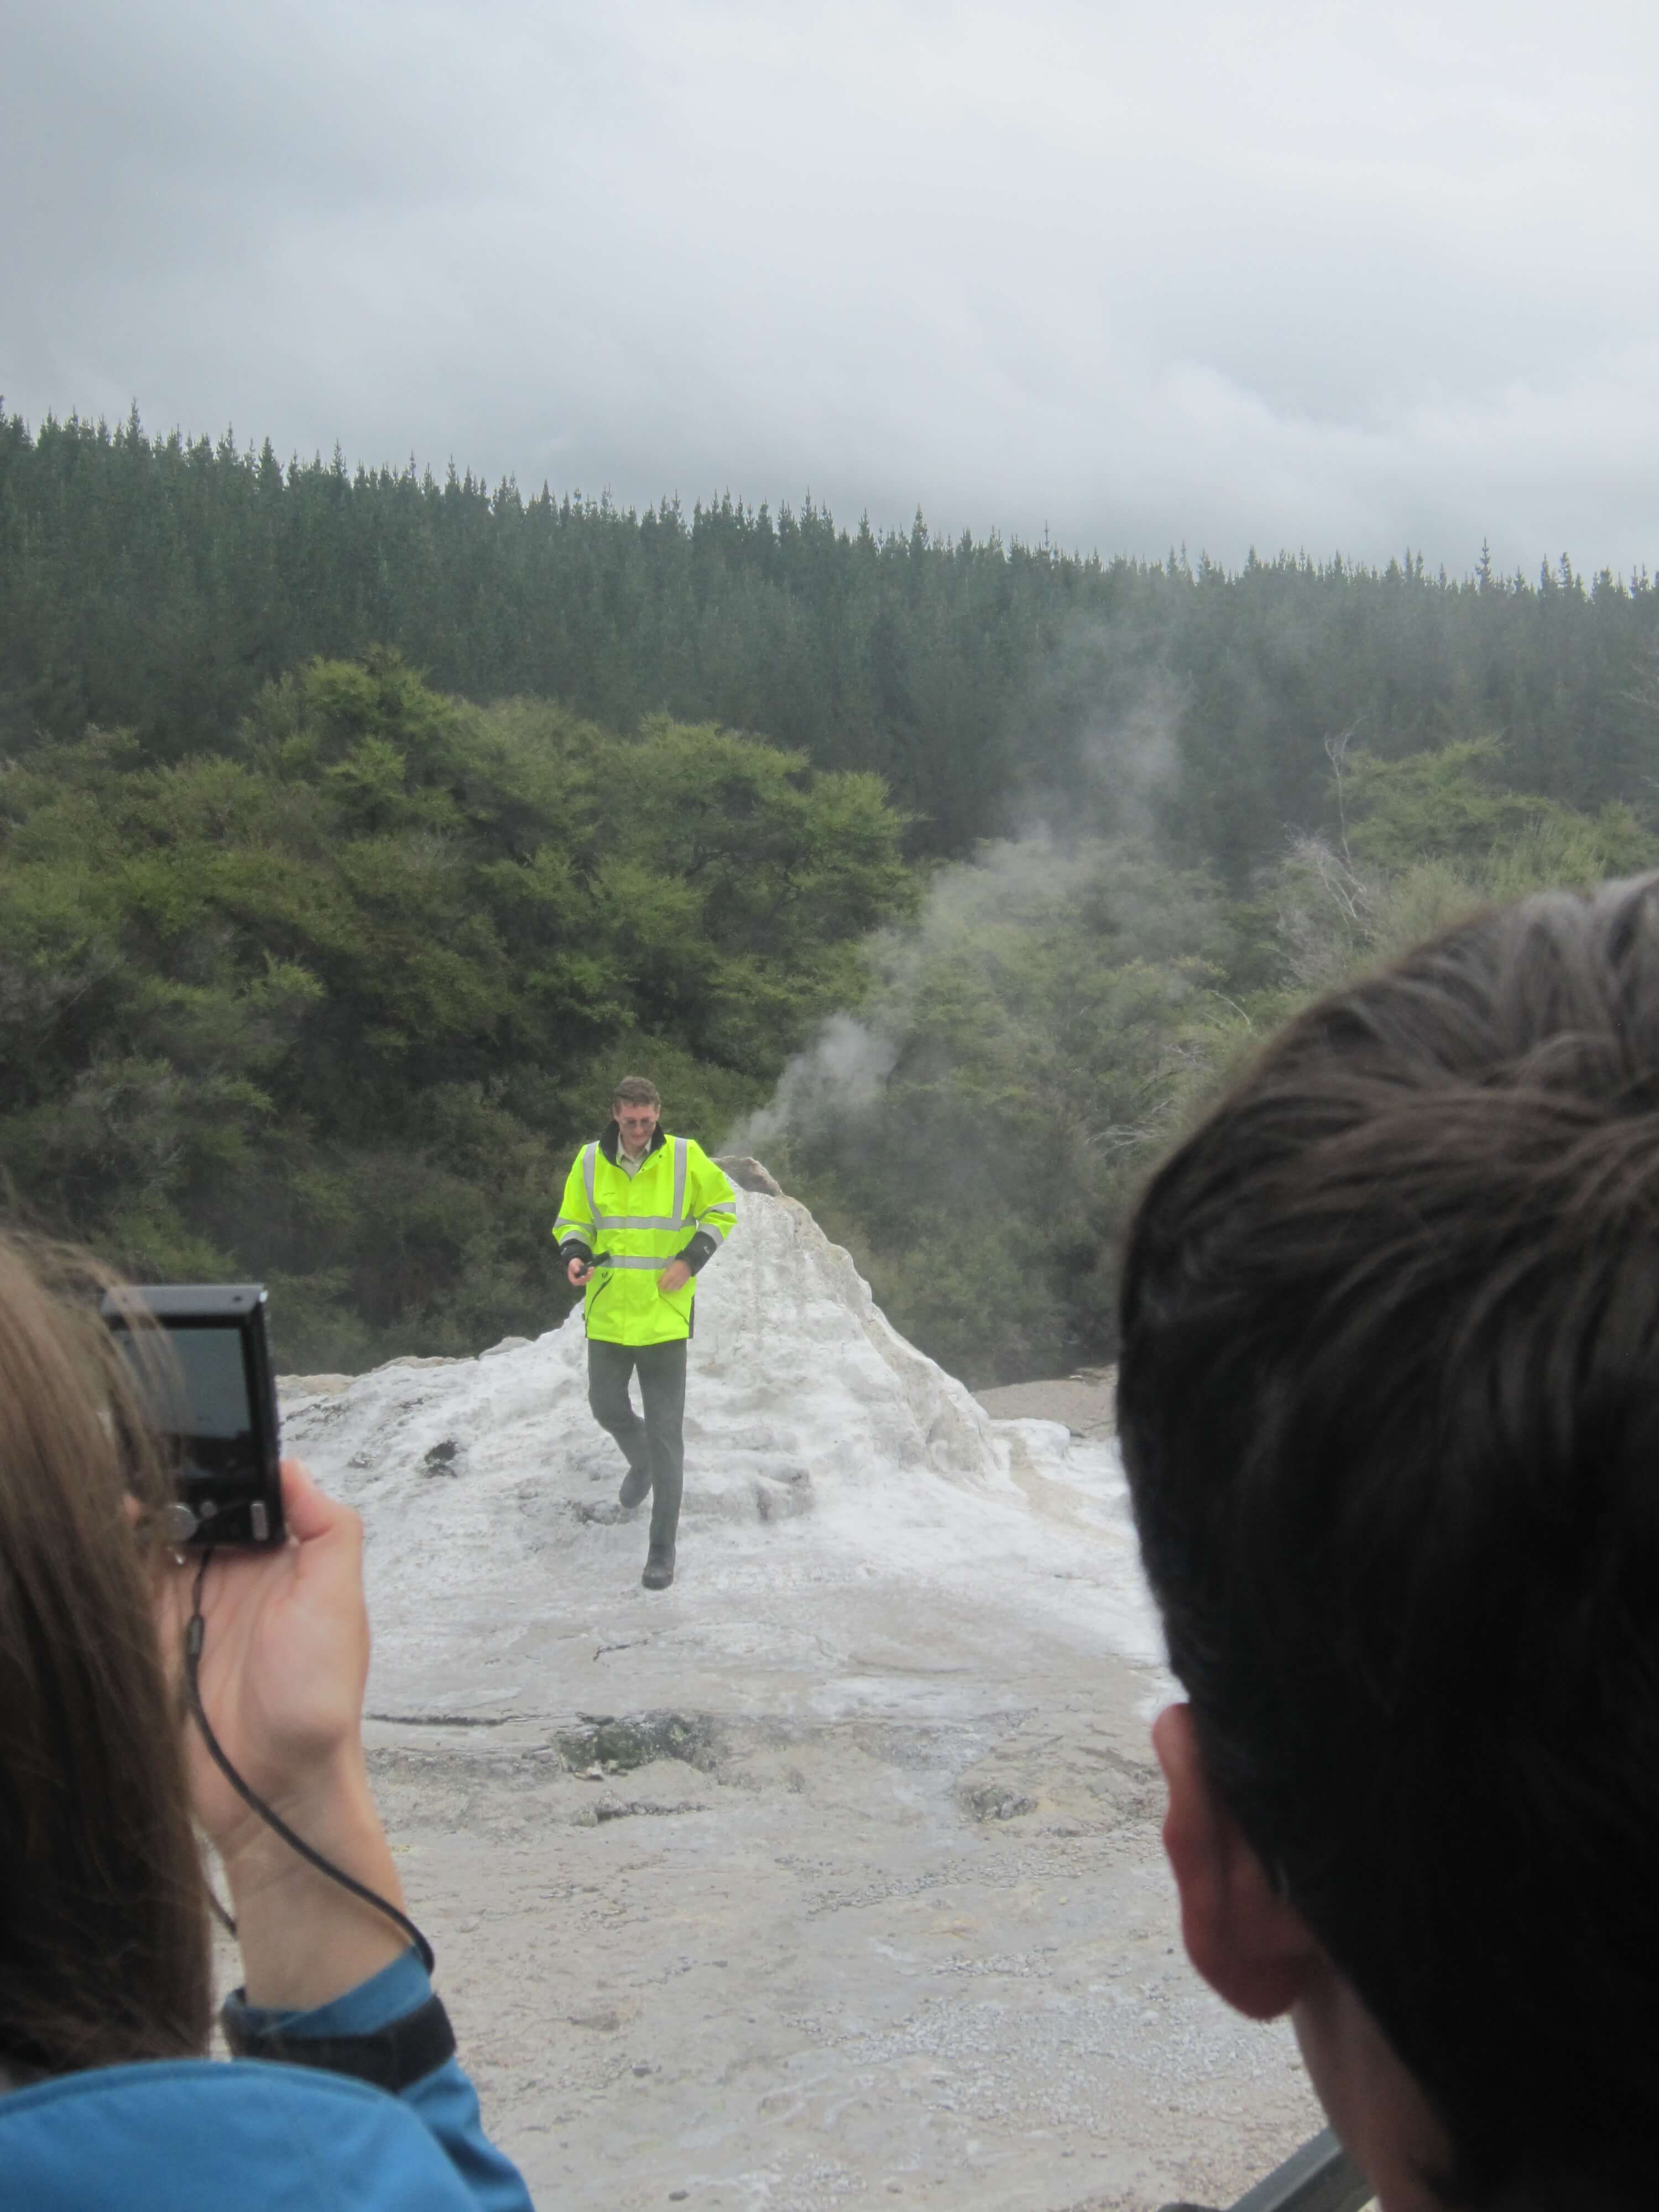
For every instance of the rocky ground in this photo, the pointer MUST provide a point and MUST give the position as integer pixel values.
(833, 1873)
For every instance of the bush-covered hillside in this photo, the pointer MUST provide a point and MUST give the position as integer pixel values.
(356, 830)
(328, 1005)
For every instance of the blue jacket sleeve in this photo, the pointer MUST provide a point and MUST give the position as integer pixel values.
(444, 2100)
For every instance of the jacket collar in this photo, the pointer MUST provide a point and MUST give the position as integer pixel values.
(612, 1137)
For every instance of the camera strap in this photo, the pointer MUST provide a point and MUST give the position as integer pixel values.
(195, 1635)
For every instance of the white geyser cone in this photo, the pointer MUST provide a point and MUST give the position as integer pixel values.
(821, 1449)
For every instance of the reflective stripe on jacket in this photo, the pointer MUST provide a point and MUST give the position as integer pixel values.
(675, 1205)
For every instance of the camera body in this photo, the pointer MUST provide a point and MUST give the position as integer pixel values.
(205, 1374)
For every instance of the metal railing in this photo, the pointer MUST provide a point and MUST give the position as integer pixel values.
(1321, 2176)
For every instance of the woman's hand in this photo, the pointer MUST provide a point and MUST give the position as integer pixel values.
(284, 1661)
(283, 1665)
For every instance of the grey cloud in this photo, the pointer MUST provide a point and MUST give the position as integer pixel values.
(1317, 281)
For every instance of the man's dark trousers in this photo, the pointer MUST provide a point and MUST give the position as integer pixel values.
(656, 1443)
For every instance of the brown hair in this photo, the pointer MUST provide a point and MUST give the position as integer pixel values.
(1390, 1407)
(104, 1949)
(638, 1091)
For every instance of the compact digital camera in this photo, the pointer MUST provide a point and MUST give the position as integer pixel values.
(205, 1375)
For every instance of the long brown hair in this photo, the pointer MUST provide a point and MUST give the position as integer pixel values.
(104, 1949)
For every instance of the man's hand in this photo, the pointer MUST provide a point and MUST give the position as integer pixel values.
(579, 1271)
(674, 1277)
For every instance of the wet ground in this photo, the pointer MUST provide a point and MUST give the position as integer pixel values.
(822, 1880)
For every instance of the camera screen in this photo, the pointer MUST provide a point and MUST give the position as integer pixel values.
(195, 1381)
(215, 1383)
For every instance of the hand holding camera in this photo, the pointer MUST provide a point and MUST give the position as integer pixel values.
(284, 1660)
(268, 1612)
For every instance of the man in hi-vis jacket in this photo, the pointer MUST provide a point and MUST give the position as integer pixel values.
(641, 1213)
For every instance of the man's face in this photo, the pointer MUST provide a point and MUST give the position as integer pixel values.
(636, 1122)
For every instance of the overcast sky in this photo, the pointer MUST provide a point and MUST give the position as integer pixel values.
(1313, 277)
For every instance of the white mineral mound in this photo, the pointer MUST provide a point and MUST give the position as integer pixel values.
(851, 1514)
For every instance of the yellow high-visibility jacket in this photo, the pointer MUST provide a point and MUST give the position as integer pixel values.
(677, 1206)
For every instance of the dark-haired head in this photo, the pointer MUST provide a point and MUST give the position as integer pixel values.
(1389, 1403)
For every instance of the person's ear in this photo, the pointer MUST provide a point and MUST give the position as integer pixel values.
(1251, 1946)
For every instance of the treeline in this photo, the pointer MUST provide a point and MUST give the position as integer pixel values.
(331, 1003)
(356, 830)
(157, 585)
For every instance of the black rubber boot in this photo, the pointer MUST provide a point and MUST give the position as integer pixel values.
(658, 1567)
(635, 1484)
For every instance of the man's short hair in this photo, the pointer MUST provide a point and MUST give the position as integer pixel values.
(1390, 1407)
(638, 1091)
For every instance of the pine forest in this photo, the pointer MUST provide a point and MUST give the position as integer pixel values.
(360, 828)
